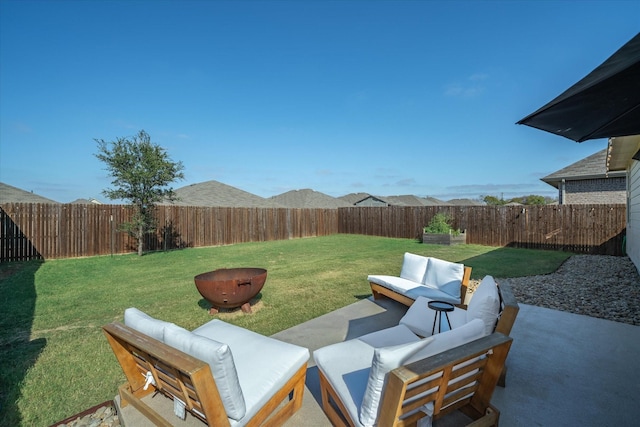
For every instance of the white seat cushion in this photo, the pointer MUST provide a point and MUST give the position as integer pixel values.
(445, 276)
(394, 335)
(419, 318)
(346, 367)
(414, 267)
(220, 359)
(468, 332)
(264, 364)
(144, 323)
(412, 289)
(485, 304)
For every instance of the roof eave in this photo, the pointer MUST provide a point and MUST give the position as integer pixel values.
(621, 152)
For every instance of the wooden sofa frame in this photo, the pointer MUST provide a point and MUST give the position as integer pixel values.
(180, 375)
(471, 395)
(379, 290)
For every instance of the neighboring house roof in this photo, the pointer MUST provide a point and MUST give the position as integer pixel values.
(370, 200)
(86, 202)
(432, 201)
(10, 194)
(214, 193)
(308, 198)
(465, 202)
(353, 198)
(404, 200)
(591, 167)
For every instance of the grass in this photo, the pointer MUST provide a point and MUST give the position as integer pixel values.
(55, 361)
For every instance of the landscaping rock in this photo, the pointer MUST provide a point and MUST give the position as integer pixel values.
(104, 416)
(601, 286)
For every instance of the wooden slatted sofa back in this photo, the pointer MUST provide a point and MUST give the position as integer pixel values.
(462, 378)
(177, 374)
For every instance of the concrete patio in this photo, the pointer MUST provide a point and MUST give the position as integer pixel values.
(563, 369)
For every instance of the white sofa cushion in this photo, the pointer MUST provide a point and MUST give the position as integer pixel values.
(384, 360)
(143, 323)
(419, 318)
(414, 267)
(346, 367)
(485, 304)
(263, 364)
(445, 276)
(388, 337)
(412, 289)
(220, 359)
(468, 332)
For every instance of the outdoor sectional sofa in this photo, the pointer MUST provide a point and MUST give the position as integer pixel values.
(402, 374)
(393, 377)
(222, 374)
(422, 276)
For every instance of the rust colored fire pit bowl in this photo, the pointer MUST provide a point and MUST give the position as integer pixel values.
(230, 287)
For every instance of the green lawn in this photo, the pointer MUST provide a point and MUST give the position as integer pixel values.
(56, 362)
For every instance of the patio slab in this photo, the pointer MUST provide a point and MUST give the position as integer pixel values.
(563, 368)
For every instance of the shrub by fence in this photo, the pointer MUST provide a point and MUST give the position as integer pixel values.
(49, 231)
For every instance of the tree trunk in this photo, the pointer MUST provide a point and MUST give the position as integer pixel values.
(140, 240)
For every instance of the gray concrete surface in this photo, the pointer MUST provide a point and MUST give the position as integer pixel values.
(563, 369)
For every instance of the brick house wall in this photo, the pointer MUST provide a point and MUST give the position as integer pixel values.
(594, 191)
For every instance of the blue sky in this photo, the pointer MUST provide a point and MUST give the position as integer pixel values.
(383, 97)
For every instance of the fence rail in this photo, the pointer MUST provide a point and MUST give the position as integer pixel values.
(50, 231)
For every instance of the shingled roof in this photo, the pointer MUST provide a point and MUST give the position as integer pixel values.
(353, 198)
(11, 194)
(591, 167)
(404, 200)
(308, 198)
(214, 193)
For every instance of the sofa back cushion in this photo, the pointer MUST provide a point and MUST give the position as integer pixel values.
(143, 323)
(444, 341)
(485, 304)
(385, 359)
(220, 360)
(414, 267)
(445, 276)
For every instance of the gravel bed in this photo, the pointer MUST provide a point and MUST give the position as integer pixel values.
(594, 285)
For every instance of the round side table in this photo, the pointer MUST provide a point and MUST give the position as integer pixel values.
(440, 307)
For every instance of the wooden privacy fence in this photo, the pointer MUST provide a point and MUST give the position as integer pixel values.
(50, 231)
(590, 229)
(72, 230)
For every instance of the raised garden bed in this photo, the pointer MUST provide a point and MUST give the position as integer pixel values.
(444, 239)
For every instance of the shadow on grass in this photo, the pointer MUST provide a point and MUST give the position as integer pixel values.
(514, 262)
(17, 352)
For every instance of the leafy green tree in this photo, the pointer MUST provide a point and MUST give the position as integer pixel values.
(141, 172)
(493, 201)
(534, 200)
